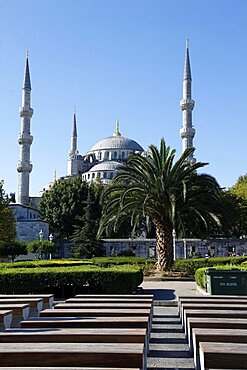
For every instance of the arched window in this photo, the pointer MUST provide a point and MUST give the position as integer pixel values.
(100, 156)
(123, 155)
(115, 155)
(107, 155)
(93, 175)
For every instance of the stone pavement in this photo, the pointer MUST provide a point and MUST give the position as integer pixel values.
(168, 347)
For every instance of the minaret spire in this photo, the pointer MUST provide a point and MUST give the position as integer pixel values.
(73, 149)
(187, 104)
(24, 166)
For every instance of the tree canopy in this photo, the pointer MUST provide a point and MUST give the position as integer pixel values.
(66, 207)
(7, 221)
(168, 193)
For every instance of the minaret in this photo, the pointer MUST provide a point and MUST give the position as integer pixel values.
(187, 104)
(73, 150)
(24, 167)
(73, 161)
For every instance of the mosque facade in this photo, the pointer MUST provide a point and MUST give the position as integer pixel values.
(100, 163)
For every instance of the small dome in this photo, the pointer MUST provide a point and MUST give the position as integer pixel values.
(116, 142)
(106, 166)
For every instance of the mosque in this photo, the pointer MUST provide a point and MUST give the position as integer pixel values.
(99, 163)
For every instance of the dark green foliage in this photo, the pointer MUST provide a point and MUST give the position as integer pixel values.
(200, 276)
(44, 263)
(85, 243)
(42, 247)
(116, 261)
(63, 204)
(70, 280)
(7, 222)
(168, 194)
(190, 265)
(126, 253)
(13, 249)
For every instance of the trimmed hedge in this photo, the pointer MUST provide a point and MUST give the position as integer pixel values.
(189, 266)
(111, 261)
(45, 263)
(68, 281)
(200, 276)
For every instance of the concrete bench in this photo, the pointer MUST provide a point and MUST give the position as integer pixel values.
(234, 314)
(67, 368)
(72, 335)
(73, 354)
(47, 298)
(215, 335)
(35, 304)
(90, 322)
(19, 312)
(209, 300)
(5, 319)
(222, 355)
(109, 299)
(131, 296)
(95, 312)
(211, 306)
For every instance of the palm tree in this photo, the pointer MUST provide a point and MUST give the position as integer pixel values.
(156, 189)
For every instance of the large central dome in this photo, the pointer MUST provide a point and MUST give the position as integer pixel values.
(116, 142)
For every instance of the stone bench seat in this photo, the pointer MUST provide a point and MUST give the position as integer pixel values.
(109, 299)
(73, 354)
(35, 304)
(47, 298)
(234, 314)
(19, 312)
(215, 335)
(67, 368)
(211, 306)
(209, 301)
(220, 355)
(5, 319)
(130, 296)
(213, 323)
(72, 335)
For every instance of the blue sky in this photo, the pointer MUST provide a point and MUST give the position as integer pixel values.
(123, 58)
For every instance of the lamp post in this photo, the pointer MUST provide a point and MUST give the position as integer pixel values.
(174, 244)
(51, 237)
(185, 248)
(41, 235)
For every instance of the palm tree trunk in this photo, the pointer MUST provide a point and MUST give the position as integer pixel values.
(164, 245)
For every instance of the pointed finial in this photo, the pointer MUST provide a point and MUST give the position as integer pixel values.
(55, 176)
(187, 43)
(117, 133)
(27, 53)
(74, 109)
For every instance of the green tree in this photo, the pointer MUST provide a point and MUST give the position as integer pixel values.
(85, 243)
(63, 204)
(42, 247)
(163, 192)
(7, 220)
(240, 188)
(13, 249)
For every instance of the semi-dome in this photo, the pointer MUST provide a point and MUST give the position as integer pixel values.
(106, 166)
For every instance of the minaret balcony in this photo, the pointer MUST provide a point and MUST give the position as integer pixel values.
(187, 132)
(187, 104)
(24, 167)
(25, 139)
(25, 112)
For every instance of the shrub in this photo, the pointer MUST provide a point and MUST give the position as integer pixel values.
(68, 281)
(190, 265)
(45, 263)
(200, 276)
(113, 261)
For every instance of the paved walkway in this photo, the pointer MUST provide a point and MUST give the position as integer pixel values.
(169, 290)
(168, 347)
